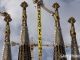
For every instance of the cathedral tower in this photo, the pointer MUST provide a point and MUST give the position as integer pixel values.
(24, 48)
(74, 45)
(7, 47)
(59, 48)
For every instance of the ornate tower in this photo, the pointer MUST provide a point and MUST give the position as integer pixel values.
(24, 48)
(74, 46)
(59, 49)
(7, 47)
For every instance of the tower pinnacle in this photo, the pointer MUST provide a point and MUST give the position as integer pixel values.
(24, 4)
(56, 5)
(59, 49)
(24, 48)
(7, 47)
(72, 20)
(7, 17)
(74, 45)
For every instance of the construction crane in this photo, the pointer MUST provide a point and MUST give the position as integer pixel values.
(43, 6)
(39, 5)
(32, 45)
(39, 27)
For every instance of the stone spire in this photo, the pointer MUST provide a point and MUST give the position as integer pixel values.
(59, 49)
(24, 48)
(7, 47)
(74, 45)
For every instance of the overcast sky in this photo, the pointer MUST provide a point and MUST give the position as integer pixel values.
(67, 9)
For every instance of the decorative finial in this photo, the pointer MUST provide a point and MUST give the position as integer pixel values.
(56, 5)
(24, 4)
(72, 20)
(7, 17)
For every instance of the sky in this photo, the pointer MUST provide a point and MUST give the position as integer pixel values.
(68, 8)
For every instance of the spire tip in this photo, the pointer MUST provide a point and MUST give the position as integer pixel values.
(24, 4)
(71, 20)
(56, 5)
